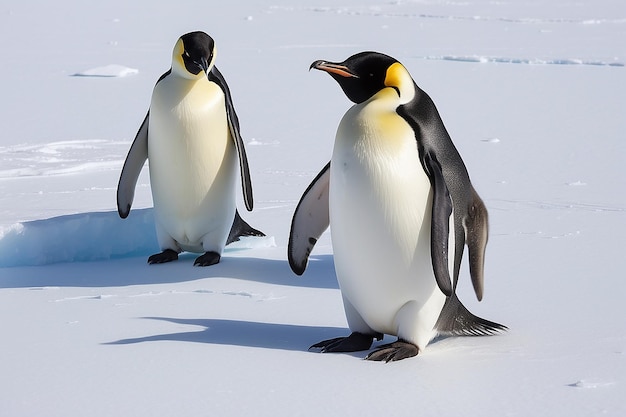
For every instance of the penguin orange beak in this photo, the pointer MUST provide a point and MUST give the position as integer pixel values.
(333, 68)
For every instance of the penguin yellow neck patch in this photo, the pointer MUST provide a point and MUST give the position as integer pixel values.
(178, 65)
(398, 77)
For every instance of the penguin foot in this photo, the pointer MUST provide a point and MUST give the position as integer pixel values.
(208, 259)
(393, 352)
(353, 343)
(168, 255)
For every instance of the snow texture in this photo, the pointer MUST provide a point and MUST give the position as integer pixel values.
(533, 95)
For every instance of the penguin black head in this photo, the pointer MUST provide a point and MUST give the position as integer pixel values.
(193, 55)
(363, 75)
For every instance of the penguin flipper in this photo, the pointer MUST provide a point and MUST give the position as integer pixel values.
(310, 220)
(233, 124)
(440, 224)
(241, 228)
(477, 231)
(135, 160)
(456, 320)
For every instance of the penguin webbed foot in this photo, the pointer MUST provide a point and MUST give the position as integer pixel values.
(353, 343)
(208, 259)
(168, 255)
(392, 352)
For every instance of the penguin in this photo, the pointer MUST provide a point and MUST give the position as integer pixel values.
(191, 138)
(400, 206)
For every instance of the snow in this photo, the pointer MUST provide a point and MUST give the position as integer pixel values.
(112, 70)
(534, 61)
(533, 94)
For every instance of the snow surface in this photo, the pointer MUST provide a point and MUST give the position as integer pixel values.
(533, 94)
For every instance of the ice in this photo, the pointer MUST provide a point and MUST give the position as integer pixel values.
(78, 238)
(90, 237)
(112, 70)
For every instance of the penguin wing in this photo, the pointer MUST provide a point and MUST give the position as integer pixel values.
(471, 219)
(135, 159)
(233, 124)
(310, 220)
(440, 223)
(477, 231)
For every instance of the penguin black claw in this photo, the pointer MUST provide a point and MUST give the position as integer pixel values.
(393, 352)
(208, 259)
(168, 255)
(353, 343)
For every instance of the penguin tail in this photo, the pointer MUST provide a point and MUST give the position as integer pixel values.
(241, 228)
(456, 320)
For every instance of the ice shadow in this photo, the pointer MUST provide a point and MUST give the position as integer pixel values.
(241, 333)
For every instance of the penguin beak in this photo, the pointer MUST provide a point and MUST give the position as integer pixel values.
(333, 68)
(204, 64)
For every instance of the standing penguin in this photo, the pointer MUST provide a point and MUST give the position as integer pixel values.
(191, 137)
(401, 207)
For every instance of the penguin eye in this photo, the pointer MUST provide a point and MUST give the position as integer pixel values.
(186, 54)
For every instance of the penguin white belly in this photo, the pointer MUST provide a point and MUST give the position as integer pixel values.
(380, 219)
(192, 164)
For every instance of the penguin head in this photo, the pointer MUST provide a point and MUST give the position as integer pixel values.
(365, 74)
(194, 55)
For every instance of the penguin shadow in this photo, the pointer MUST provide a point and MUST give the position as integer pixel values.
(239, 333)
(252, 334)
(320, 274)
(135, 271)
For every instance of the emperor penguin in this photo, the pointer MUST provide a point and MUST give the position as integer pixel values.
(192, 141)
(400, 206)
